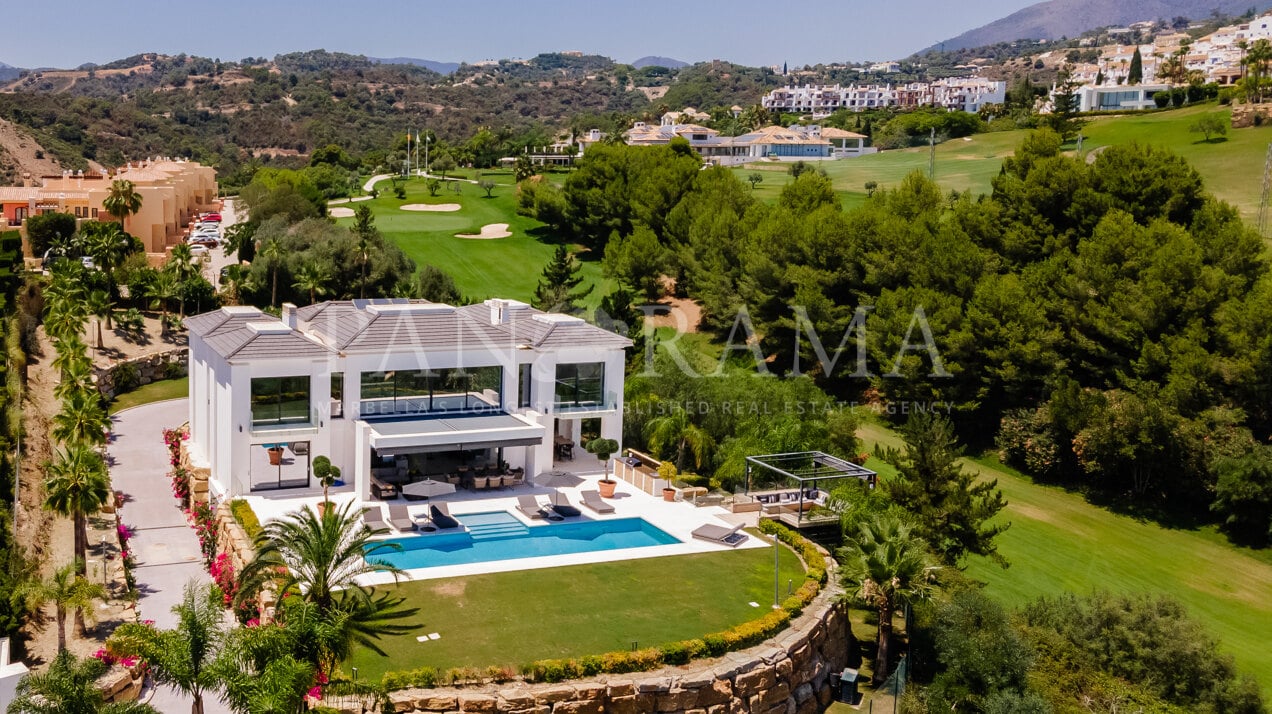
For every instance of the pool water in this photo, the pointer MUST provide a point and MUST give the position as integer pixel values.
(498, 535)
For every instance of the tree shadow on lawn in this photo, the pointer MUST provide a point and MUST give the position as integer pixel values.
(1215, 140)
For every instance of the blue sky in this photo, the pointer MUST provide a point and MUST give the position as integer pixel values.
(746, 31)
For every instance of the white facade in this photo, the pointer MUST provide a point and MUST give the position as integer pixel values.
(501, 361)
(967, 94)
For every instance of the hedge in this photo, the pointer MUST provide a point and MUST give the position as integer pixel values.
(246, 518)
(814, 561)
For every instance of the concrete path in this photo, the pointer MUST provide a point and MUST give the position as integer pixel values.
(369, 186)
(166, 547)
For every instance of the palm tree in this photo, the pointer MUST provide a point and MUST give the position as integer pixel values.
(77, 485)
(82, 420)
(100, 307)
(885, 566)
(71, 356)
(1256, 61)
(69, 687)
(318, 557)
(68, 592)
(122, 201)
(77, 375)
(234, 280)
(676, 431)
(109, 245)
(65, 317)
(260, 672)
(181, 264)
(273, 252)
(162, 290)
(181, 657)
(320, 554)
(313, 279)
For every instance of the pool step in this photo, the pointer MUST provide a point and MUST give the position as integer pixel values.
(495, 531)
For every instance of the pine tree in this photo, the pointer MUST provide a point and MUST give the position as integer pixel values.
(1136, 74)
(559, 290)
(950, 509)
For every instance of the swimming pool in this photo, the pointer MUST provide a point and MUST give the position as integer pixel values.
(498, 535)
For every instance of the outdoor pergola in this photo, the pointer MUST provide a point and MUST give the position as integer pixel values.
(806, 468)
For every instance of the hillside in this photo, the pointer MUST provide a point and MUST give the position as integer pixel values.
(1069, 18)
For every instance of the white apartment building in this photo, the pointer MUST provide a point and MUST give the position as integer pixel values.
(966, 94)
(378, 384)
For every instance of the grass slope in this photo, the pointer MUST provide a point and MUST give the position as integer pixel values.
(1231, 168)
(154, 392)
(516, 618)
(1058, 541)
(505, 267)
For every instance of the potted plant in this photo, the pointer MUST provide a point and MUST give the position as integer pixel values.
(275, 454)
(603, 449)
(327, 473)
(667, 472)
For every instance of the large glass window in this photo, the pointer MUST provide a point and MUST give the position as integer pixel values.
(580, 385)
(280, 401)
(427, 391)
(524, 377)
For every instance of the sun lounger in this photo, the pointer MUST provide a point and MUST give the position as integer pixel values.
(593, 500)
(732, 537)
(440, 515)
(400, 518)
(562, 506)
(382, 490)
(374, 519)
(530, 508)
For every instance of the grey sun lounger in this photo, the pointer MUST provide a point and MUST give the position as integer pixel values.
(439, 514)
(732, 537)
(374, 519)
(530, 508)
(400, 518)
(560, 503)
(593, 500)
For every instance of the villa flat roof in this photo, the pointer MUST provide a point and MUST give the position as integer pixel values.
(432, 433)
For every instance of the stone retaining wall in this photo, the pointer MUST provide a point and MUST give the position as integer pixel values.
(788, 674)
(150, 368)
(1243, 115)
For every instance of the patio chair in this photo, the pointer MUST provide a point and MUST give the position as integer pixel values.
(439, 514)
(382, 490)
(530, 508)
(400, 518)
(732, 537)
(561, 504)
(373, 518)
(593, 500)
(516, 478)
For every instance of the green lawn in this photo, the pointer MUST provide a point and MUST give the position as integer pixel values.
(1058, 541)
(1232, 168)
(153, 392)
(516, 618)
(505, 267)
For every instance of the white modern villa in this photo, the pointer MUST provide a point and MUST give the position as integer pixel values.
(395, 390)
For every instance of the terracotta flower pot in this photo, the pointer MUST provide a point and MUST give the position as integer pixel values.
(669, 495)
(275, 456)
(606, 487)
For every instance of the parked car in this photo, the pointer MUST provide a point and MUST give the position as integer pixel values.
(205, 241)
(199, 251)
(212, 217)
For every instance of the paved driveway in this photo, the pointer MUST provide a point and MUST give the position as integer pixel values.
(166, 548)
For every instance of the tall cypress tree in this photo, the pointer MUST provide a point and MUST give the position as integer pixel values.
(1136, 75)
(558, 290)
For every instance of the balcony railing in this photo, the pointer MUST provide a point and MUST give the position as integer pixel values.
(606, 403)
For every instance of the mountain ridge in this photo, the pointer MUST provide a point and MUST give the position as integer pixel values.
(657, 61)
(1053, 19)
(435, 65)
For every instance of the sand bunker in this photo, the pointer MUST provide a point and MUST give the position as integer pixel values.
(431, 207)
(337, 201)
(488, 231)
(340, 212)
(360, 198)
